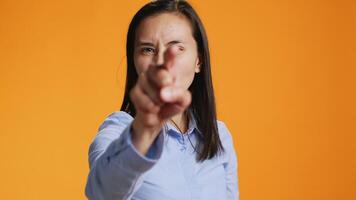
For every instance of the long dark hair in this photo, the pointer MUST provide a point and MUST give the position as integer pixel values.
(203, 101)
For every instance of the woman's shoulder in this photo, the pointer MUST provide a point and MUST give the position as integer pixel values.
(116, 118)
(224, 133)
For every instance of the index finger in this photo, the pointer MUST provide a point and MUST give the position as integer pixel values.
(169, 57)
(159, 77)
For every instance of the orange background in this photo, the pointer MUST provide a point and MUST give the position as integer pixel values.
(283, 74)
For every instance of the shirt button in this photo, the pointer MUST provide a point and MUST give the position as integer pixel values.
(181, 140)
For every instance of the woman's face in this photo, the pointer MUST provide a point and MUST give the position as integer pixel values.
(158, 33)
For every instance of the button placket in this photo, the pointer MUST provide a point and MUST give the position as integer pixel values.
(183, 142)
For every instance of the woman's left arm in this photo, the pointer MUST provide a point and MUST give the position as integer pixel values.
(231, 166)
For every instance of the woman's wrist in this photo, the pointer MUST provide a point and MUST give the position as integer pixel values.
(142, 137)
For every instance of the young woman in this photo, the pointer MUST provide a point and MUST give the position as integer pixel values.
(166, 142)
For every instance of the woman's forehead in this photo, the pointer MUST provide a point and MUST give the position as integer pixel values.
(164, 27)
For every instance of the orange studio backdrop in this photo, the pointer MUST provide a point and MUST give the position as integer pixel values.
(283, 70)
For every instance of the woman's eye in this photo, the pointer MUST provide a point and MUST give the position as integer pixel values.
(181, 48)
(147, 50)
(177, 47)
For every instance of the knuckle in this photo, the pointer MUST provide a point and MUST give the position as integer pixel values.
(133, 94)
(151, 107)
(141, 79)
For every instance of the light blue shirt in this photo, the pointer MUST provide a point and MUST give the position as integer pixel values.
(169, 171)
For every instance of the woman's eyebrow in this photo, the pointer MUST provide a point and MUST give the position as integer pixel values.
(174, 42)
(140, 43)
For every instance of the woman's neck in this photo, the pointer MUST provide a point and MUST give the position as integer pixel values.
(181, 121)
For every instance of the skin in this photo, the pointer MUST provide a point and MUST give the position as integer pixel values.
(166, 60)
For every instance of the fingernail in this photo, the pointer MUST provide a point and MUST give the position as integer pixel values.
(166, 94)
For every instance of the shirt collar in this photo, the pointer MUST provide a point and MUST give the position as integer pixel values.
(191, 127)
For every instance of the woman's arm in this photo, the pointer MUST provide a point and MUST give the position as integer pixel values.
(115, 157)
(231, 176)
(116, 166)
(231, 166)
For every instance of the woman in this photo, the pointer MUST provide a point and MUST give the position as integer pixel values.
(165, 143)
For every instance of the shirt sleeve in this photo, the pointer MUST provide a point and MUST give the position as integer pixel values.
(231, 166)
(116, 167)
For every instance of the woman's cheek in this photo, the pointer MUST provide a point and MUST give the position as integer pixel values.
(183, 72)
(141, 64)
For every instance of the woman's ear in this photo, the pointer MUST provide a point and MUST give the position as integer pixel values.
(198, 65)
